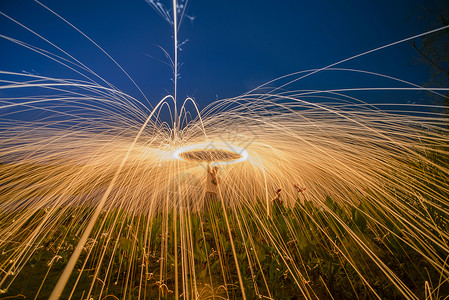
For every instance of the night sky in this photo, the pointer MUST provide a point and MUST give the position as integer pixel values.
(233, 46)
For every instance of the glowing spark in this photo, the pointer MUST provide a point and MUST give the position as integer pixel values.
(212, 153)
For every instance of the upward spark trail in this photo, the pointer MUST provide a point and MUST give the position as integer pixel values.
(175, 40)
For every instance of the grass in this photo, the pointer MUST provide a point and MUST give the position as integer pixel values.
(307, 250)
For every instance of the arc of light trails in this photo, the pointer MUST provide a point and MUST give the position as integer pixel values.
(125, 159)
(96, 45)
(52, 44)
(59, 87)
(344, 60)
(62, 281)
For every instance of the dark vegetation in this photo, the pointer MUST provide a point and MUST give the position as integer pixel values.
(309, 249)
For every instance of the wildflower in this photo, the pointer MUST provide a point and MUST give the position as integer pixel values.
(277, 197)
(299, 189)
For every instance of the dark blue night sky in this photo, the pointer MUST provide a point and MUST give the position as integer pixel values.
(232, 47)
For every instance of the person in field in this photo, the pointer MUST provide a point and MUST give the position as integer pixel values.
(212, 182)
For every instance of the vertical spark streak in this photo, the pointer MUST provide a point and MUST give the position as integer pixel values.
(175, 41)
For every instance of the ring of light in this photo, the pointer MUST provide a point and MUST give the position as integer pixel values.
(212, 153)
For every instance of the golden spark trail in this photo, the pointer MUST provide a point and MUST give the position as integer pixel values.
(311, 193)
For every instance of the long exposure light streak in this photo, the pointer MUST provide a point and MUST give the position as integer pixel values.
(307, 190)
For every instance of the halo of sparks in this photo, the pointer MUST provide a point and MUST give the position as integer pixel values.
(119, 199)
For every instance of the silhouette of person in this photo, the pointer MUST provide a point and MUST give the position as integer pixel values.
(212, 182)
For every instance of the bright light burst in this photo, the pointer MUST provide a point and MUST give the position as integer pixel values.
(308, 194)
